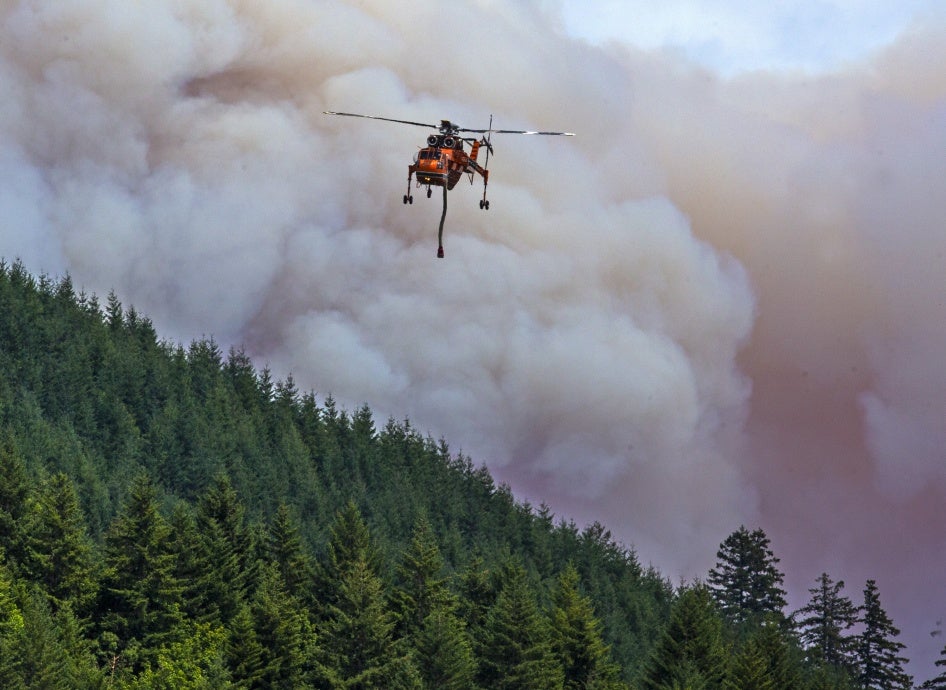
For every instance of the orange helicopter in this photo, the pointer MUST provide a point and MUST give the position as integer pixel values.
(444, 161)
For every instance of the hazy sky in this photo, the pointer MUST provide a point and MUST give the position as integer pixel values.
(721, 303)
(733, 36)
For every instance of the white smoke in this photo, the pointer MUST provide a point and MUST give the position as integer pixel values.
(720, 303)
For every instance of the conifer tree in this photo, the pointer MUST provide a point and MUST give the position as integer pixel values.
(750, 669)
(577, 638)
(243, 652)
(357, 633)
(783, 659)
(227, 548)
(515, 649)
(14, 488)
(419, 584)
(880, 667)
(690, 650)
(33, 656)
(444, 652)
(746, 583)
(823, 623)
(58, 553)
(141, 595)
(477, 594)
(349, 542)
(284, 632)
(284, 548)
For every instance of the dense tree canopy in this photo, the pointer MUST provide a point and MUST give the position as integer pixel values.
(171, 517)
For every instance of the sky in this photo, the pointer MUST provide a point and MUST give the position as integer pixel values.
(721, 303)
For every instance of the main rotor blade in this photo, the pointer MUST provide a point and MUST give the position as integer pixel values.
(386, 119)
(517, 131)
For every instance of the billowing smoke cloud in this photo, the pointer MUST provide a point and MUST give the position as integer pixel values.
(721, 303)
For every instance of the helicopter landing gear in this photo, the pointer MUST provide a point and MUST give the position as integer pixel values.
(408, 199)
(484, 204)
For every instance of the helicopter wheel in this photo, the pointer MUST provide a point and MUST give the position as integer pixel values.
(429, 192)
(484, 204)
(410, 199)
(405, 198)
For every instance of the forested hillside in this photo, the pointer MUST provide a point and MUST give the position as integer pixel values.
(156, 496)
(170, 517)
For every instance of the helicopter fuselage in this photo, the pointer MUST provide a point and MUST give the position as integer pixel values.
(443, 162)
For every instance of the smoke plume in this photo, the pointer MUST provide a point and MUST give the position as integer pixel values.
(721, 303)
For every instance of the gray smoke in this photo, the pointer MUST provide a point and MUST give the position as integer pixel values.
(720, 303)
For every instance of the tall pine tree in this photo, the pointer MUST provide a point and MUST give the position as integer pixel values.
(58, 551)
(746, 582)
(823, 624)
(515, 648)
(880, 666)
(141, 595)
(577, 638)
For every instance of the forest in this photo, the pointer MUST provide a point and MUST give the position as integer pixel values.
(172, 517)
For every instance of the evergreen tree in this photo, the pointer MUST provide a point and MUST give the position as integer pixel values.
(577, 638)
(349, 543)
(444, 652)
(419, 584)
(14, 488)
(357, 633)
(141, 596)
(783, 658)
(750, 669)
(879, 665)
(824, 622)
(746, 582)
(58, 549)
(285, 634)
(244, 653)
(227, 548)
(515, 650)
(284, 548)
(690, 651)
(193, 660)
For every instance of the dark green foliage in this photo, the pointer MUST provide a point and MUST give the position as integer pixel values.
(358, 644)
(284, 547)
(244, 653)
(58, 552)
(285, 634)
(577, 639)
(749, 669)
(823, 624)
(226, 549)
(746, 582)
(880, 666)
(443, 652)
(690, 652)
(172, 517)
(515, 643)
(420, 587)
(14, 488)
(783, 658)
(141, 595)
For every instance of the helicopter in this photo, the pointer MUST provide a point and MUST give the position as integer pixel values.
(443, 161)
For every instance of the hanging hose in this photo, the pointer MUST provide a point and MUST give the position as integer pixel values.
(443, 217)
